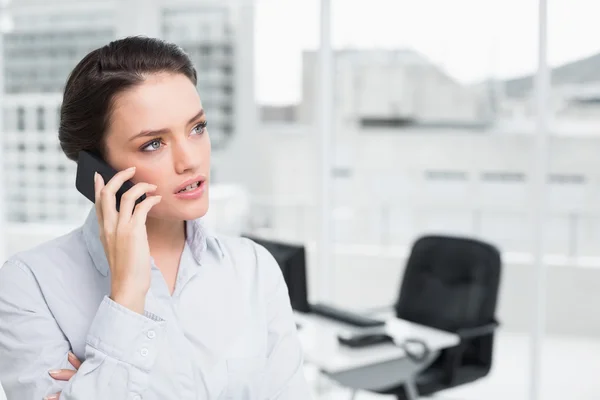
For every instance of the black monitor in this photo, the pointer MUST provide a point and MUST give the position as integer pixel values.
(292, 261)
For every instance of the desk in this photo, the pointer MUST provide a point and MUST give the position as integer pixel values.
(376, 367)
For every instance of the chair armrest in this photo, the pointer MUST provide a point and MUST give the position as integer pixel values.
(455, 354)
(478, 331)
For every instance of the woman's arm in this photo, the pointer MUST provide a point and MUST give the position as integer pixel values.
(32, 344)
(285, 370)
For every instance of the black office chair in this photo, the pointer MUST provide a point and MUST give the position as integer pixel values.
(451, 283)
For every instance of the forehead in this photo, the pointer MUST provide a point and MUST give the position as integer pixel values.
(161, 101)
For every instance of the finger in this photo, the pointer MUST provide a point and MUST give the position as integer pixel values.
(53, 396)
(98, 185)
(115, 183)
(142, 209)
(129, 198)
(74, 360)
(62, 374)
(109, 200)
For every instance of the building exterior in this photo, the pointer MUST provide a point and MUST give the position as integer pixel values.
(47, 41)
(391, 185)
(40, 180)
(49, 38)
(414, 151)
(279, 114)
(391, 88)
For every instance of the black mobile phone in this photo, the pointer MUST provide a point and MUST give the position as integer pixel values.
(87, 164)
(358, 340)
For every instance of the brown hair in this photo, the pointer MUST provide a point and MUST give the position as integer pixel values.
(100, 76)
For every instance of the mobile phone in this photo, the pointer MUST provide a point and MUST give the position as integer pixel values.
(359, 340)
(87, 164)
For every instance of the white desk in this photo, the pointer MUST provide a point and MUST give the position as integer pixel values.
(375, 367)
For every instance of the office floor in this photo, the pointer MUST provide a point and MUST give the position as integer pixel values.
(570, 371)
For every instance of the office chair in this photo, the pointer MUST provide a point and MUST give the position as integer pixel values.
(452, 283)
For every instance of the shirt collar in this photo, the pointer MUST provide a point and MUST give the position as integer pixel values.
(199, 239)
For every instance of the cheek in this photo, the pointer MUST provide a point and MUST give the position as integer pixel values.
(205, 144)
(152, 176)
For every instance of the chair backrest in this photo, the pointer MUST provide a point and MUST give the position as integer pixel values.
(450, 283)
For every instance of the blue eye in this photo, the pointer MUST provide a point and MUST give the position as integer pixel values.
(152, 146)
(200, 128)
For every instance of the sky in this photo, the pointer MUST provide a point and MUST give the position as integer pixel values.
(470, 39)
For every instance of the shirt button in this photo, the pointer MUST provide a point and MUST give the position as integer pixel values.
(144, 352)
(151, 334)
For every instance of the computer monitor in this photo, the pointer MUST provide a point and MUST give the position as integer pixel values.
(292, 261)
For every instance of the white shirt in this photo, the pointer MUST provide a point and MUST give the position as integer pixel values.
(227, 332)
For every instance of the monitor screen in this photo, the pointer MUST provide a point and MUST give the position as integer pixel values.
(292, 261)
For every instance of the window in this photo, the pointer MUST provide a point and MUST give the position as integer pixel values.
(568, 179)
(341, 172)
(502, 176)
(40, 119)
(20, 119)
(205, 50)
(446, 175)
(376, 122)
(19, 216)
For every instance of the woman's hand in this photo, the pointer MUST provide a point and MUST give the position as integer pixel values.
(64, 374)
(123, 235)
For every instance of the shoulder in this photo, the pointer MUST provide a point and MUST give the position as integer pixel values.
(54, 257)
(255, 268)
(239, 248)
(238, 245)
(246, 255)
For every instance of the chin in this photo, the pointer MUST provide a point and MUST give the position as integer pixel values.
(194, 210)
(186, 212)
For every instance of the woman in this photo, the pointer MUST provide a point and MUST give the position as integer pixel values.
(154, 305)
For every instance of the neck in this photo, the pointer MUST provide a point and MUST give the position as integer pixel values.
(165, 235)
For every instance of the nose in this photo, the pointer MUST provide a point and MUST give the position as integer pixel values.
(184, 157)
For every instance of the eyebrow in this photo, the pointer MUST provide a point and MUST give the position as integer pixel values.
(166, 130)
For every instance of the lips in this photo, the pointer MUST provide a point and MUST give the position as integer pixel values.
(190, 184)
(191, 187)
(193, 191)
